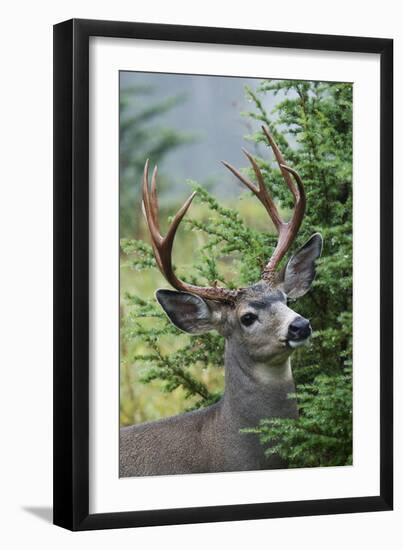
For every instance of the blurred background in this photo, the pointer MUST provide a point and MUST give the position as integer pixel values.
(186, 123)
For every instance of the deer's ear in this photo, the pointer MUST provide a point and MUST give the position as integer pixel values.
(300, 270)
(187, 311)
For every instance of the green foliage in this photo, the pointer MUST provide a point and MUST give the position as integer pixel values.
(312, 123)
(322, 436)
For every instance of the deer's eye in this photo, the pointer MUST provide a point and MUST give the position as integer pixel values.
(248, 319)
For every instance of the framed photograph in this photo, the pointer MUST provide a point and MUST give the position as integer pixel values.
(223, 327)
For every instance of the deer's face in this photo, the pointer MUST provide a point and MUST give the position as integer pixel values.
(264, 325)
(260, 322)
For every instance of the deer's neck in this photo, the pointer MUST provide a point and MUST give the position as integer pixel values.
(256, 390)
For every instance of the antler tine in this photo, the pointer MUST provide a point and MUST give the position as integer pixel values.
(261, 191)
(162, 246)
(150, 214)
(281, 162)
(154, 198)
(300, 198)
(150, 210)
(168, 240)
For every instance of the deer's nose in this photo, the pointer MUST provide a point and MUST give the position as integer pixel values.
(299, 329)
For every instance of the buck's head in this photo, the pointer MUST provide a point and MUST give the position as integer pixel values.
(257, 318)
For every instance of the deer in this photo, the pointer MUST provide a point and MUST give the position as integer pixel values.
(261, 332)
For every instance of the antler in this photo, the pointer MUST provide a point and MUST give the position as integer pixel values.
(162, 246)
(287, 231)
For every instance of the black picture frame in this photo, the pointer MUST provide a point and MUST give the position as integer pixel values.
(71, 274)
